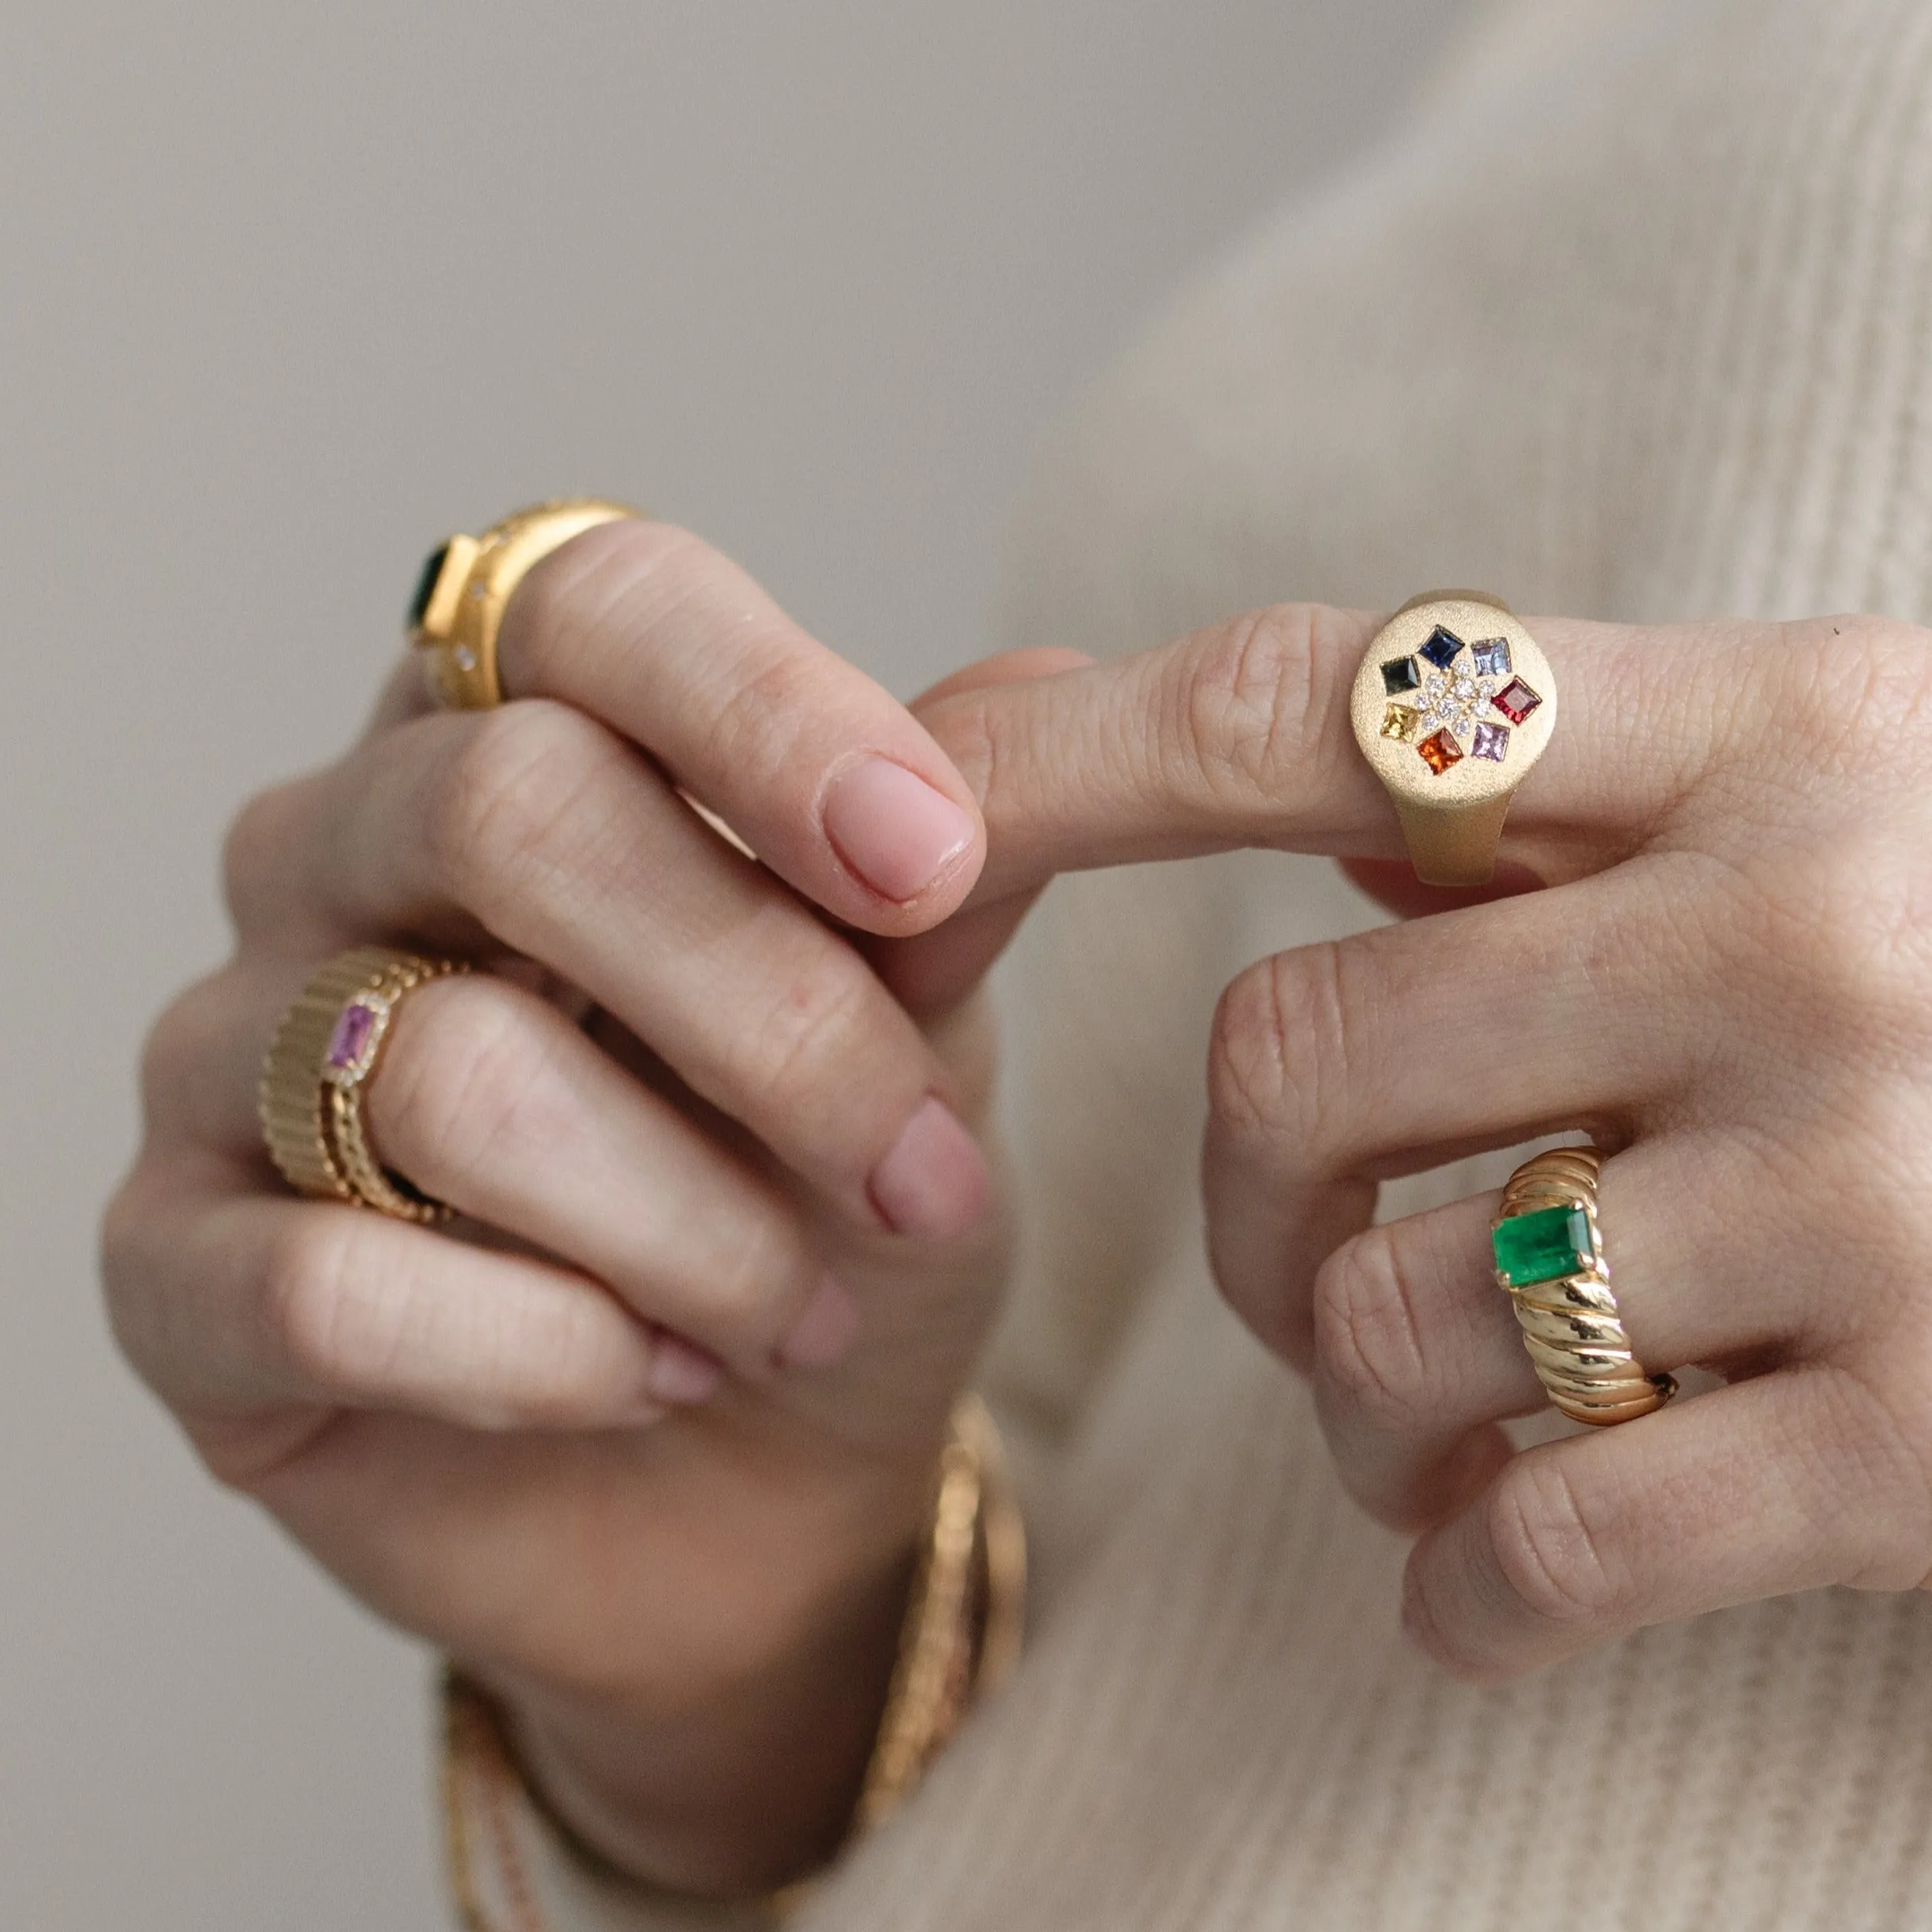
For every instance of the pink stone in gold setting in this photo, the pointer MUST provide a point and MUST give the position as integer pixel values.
(1440, 751)
(1515, 700)
(355, 1029)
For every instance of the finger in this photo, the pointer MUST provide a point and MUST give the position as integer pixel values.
(487, 1098)
(827, 776)
(1793, 1482)
(1418, 1353)
(1240, 735)
(932, 972)
(230, 1300)
(1403, 1048)
(539, 827)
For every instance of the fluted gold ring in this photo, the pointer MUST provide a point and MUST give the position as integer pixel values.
(324, 1054)
(1549, 1251)
(467, 585)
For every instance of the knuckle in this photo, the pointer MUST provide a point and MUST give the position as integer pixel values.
(1277, 1052)
(322, 1310)
(255, 854)
(811, 1048)
(1548, 1553)
(1246, 714)
(184, 1060)
(1369, 1345)
(464, 1083)
(127, 1244)
(501, 826)
(581, 602)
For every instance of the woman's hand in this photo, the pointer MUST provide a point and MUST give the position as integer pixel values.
(648, 1452)
(1727, 983)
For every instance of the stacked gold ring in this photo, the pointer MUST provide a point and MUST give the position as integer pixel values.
(1549, 1251)
(324, 1055)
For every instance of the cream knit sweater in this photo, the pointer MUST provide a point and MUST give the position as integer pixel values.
(1633, 318)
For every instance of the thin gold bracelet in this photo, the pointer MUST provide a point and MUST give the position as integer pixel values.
(965, 1621)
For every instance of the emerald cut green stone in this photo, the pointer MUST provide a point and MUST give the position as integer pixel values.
(1544, 1246)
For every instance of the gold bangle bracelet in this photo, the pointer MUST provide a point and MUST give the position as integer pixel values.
(960, 1639)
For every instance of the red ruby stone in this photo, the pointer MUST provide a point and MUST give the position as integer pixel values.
(1440, 751)
(1515, 700)
(350, 1040)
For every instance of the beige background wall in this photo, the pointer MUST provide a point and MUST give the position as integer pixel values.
(285, 292)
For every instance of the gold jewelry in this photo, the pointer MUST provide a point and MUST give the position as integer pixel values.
(1549, 1251)
(322, 1057)
(465, 587)
(960, 1639)
(1453, 704)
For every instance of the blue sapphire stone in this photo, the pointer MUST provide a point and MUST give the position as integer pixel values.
(1442, 648)
(1491, 659)
(1399, 674)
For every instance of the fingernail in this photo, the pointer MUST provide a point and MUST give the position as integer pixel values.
(893, 829)
(679, 1373)
(933, 1183)
(826, 1326)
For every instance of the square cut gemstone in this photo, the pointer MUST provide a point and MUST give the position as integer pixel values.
(426, 587)
(1399, 674)
(1440, 751)
(1515, 700)
(355, 1030)
(1492, 742)
(1402, 723)
(1546, 1245)
(1441, 647)
(1492, 657)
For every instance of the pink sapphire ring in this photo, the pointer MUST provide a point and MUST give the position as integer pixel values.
(1453, 704)
(324, 1054)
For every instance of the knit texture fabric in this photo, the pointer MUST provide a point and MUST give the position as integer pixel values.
(1630, 319)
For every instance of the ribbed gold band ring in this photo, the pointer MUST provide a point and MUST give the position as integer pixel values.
(323, 1056)
(1548, 1249)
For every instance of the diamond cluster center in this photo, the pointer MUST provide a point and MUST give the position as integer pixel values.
(1462, 700)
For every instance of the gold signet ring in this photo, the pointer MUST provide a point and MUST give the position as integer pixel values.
(1453, 704)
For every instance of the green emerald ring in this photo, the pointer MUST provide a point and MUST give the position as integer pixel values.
(1550, 1258)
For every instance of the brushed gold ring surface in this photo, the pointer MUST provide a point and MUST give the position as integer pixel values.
(1454, 703)
(324, 1054)
(467, 585)
(1548, 1245)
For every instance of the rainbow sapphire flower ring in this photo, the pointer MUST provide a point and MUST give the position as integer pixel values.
(324, 1055)
(1453, 704)
(1549, 1257)
(465, 587)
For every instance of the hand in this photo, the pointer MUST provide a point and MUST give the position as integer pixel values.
(1728, 983)
(648, 1451)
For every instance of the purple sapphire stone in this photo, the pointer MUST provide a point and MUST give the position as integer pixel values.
(1492, 742)
(354, 1028)
(1492, 657)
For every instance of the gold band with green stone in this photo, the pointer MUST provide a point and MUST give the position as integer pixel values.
(1549, 1257)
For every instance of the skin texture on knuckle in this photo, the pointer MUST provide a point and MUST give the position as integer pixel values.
(1369, 1348)
(1245, 719)
(1276, 1051)
(256, 853)
(506, 830)
(1549, 1555)
(468, 1085)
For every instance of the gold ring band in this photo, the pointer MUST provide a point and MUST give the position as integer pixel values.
(467, 585)
(1453, 704)
(1549, 1252)
(320, 1064)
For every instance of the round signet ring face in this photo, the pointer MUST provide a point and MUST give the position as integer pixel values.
(1453, 704)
